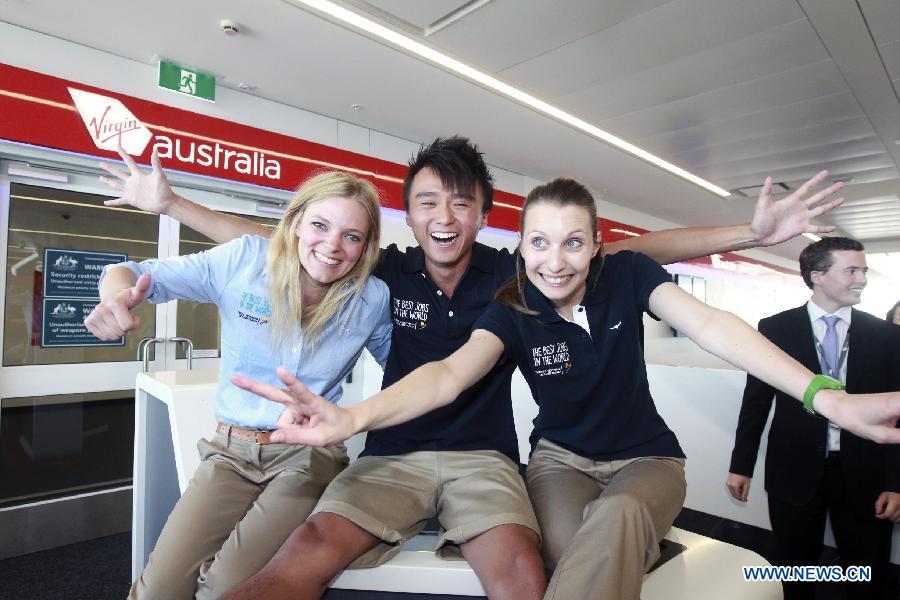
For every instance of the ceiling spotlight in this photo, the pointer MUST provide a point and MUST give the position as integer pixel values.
(356, 106)
(247, 87)
(229, 27)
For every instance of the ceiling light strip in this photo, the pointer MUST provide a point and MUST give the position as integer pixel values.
(410, 45)
(505, 205)
(81, 204)
(454, 16)
(28, 98)
(626, 232)
(81, 235)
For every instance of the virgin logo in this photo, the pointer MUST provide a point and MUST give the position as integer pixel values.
(110, 124)
(104, 130)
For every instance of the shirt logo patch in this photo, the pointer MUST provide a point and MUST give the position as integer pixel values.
(254, 308)
(551, 359)
(409, 313)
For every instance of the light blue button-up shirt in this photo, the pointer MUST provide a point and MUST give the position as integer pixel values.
(232, 276)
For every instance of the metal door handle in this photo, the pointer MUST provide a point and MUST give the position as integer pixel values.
(189, 349)
(143, 351)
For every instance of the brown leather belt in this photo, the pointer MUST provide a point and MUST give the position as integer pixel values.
(247, 435)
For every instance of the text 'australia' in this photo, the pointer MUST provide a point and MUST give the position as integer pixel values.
(218, 157)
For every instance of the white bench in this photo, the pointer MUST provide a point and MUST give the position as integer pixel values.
(174, 410)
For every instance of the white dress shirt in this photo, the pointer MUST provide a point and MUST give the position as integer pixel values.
(841, 327)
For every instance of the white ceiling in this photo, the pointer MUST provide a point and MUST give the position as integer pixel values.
(732, 90)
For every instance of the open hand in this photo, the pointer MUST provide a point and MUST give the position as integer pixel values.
(775, 222)
(870, 416)
(112, 318)
(309, 418)
(147, 191)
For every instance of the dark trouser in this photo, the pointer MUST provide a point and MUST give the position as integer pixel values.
(862, 540)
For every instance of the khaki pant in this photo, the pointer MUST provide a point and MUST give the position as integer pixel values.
(393, 497)
(242, 503)
(602, 521)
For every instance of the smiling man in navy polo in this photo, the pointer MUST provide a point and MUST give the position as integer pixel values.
(458, 463)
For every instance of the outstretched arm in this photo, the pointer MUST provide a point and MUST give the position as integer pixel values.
(151, 192)
(314, 421)
(773, 222)
(871, 416)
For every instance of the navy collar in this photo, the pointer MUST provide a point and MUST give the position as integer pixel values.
(414, 258)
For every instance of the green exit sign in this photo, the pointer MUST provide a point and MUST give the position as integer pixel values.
(187, 81)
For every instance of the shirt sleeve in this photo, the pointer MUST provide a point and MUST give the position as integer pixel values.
(200, 277)
(647, 276)
(379, 343)
(499, 319)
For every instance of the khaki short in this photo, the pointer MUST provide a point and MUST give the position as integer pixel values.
(393, 497)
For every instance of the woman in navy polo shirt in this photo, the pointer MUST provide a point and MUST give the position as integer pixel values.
(606, 474)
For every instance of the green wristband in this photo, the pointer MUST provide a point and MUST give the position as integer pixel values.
(819, 382)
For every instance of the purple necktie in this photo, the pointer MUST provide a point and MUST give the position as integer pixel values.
(829, 358)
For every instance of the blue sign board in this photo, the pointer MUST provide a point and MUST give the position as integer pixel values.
(71, 291)
(63, 324)
(75, 273)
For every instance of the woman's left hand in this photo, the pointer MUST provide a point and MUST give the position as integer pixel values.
(870, 416)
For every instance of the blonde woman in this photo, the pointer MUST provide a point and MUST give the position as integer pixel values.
(304, 299)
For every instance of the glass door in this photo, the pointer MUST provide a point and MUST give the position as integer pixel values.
(66, 398)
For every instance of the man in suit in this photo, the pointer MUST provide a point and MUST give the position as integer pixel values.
(812, 467)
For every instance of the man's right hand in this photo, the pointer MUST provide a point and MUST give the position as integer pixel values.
(112, 318)
(147, 191)
(738, 486)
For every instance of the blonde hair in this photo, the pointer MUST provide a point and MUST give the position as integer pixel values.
(283, 259)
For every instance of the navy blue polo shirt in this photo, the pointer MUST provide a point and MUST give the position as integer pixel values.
(592, 389)
(427, 327)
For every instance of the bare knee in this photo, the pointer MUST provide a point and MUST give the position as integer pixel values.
(310, 544)
(508, 562)
(301, 569)
(326, 543)
(309, 537)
